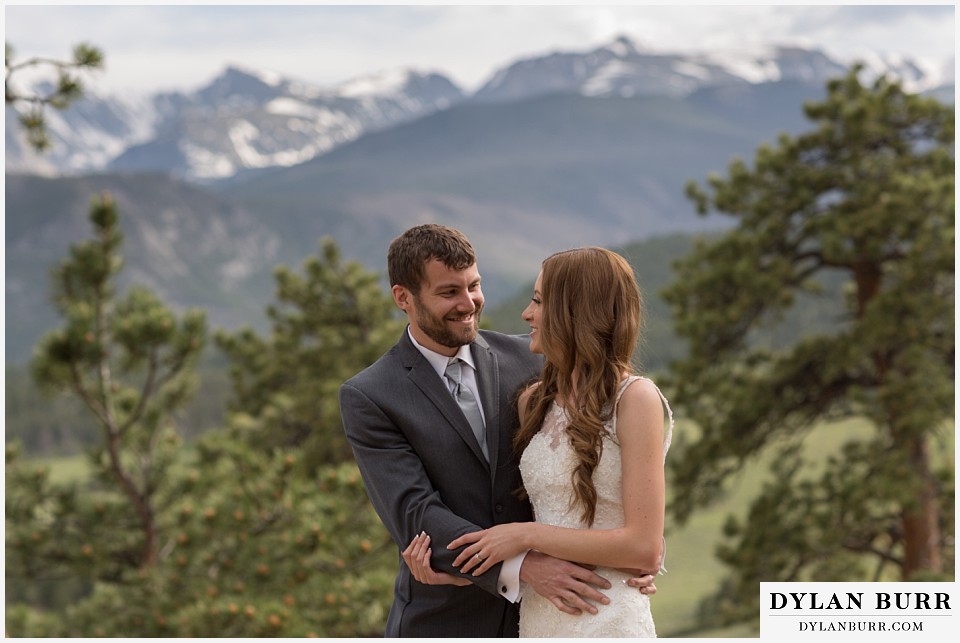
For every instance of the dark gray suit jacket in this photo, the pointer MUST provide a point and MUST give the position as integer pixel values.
(424, 471)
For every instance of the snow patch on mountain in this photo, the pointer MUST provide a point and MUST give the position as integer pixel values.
(691, 68)
(85, 137)
(753, 65)
(388, 83)
(207, 164)
(916, 74)
(287, 106)
(271, 78)
(604, 80)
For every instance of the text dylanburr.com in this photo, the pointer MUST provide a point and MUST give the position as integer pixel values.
(861, 611)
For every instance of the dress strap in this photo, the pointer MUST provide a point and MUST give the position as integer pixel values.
(668, 436)
(612, 422)
(630, 379)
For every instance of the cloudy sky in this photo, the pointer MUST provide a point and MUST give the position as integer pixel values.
(183, 46)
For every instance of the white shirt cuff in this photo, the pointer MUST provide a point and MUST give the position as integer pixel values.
(510, 577)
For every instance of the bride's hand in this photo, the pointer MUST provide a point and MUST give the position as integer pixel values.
(642, 580)
(417, 557)
(490, 546)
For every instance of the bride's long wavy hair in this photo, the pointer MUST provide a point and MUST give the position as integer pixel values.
(589, 326)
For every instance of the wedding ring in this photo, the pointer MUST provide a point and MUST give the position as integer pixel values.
(477, 556)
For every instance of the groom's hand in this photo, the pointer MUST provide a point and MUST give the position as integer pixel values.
(563, 583)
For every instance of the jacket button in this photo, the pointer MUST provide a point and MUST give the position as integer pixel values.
(498, 509)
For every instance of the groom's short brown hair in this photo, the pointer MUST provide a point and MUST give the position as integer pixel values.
(409, 253)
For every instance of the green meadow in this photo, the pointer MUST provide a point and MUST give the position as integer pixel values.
(693, 572)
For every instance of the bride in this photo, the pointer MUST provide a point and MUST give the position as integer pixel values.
(593, 444)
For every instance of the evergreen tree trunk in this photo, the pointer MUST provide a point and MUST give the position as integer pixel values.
(921, 525)
(920, 522)
(146, 513)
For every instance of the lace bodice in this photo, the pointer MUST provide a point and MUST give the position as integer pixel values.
(546, 466)
(548, 460)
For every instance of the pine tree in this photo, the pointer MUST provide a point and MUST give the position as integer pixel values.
(68, 88)
(228, 536)
(129, 360)
(327, 324)
(867, 197)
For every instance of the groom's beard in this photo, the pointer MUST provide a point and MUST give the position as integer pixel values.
(435, 326)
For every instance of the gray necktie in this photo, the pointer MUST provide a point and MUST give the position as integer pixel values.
(468, 403)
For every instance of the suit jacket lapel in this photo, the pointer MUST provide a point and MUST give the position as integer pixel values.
(422, 374)
(488, 381)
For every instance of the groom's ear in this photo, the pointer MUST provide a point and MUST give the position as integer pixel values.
(401, 297)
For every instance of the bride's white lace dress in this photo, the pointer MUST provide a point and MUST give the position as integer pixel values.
(546, 466)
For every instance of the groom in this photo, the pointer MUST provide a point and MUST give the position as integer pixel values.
(427, 467)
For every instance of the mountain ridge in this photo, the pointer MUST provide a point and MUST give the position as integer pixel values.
(247, 119)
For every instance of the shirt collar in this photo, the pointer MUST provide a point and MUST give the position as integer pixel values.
(439, 362)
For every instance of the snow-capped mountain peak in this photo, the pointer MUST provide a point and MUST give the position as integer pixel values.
(916, 74)
(383, 83)
(623, 47)
(244, 118)
(623, 68)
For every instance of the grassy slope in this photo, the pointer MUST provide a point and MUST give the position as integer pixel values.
(694, 573)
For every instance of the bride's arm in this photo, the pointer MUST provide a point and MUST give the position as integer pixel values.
(637, 544)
